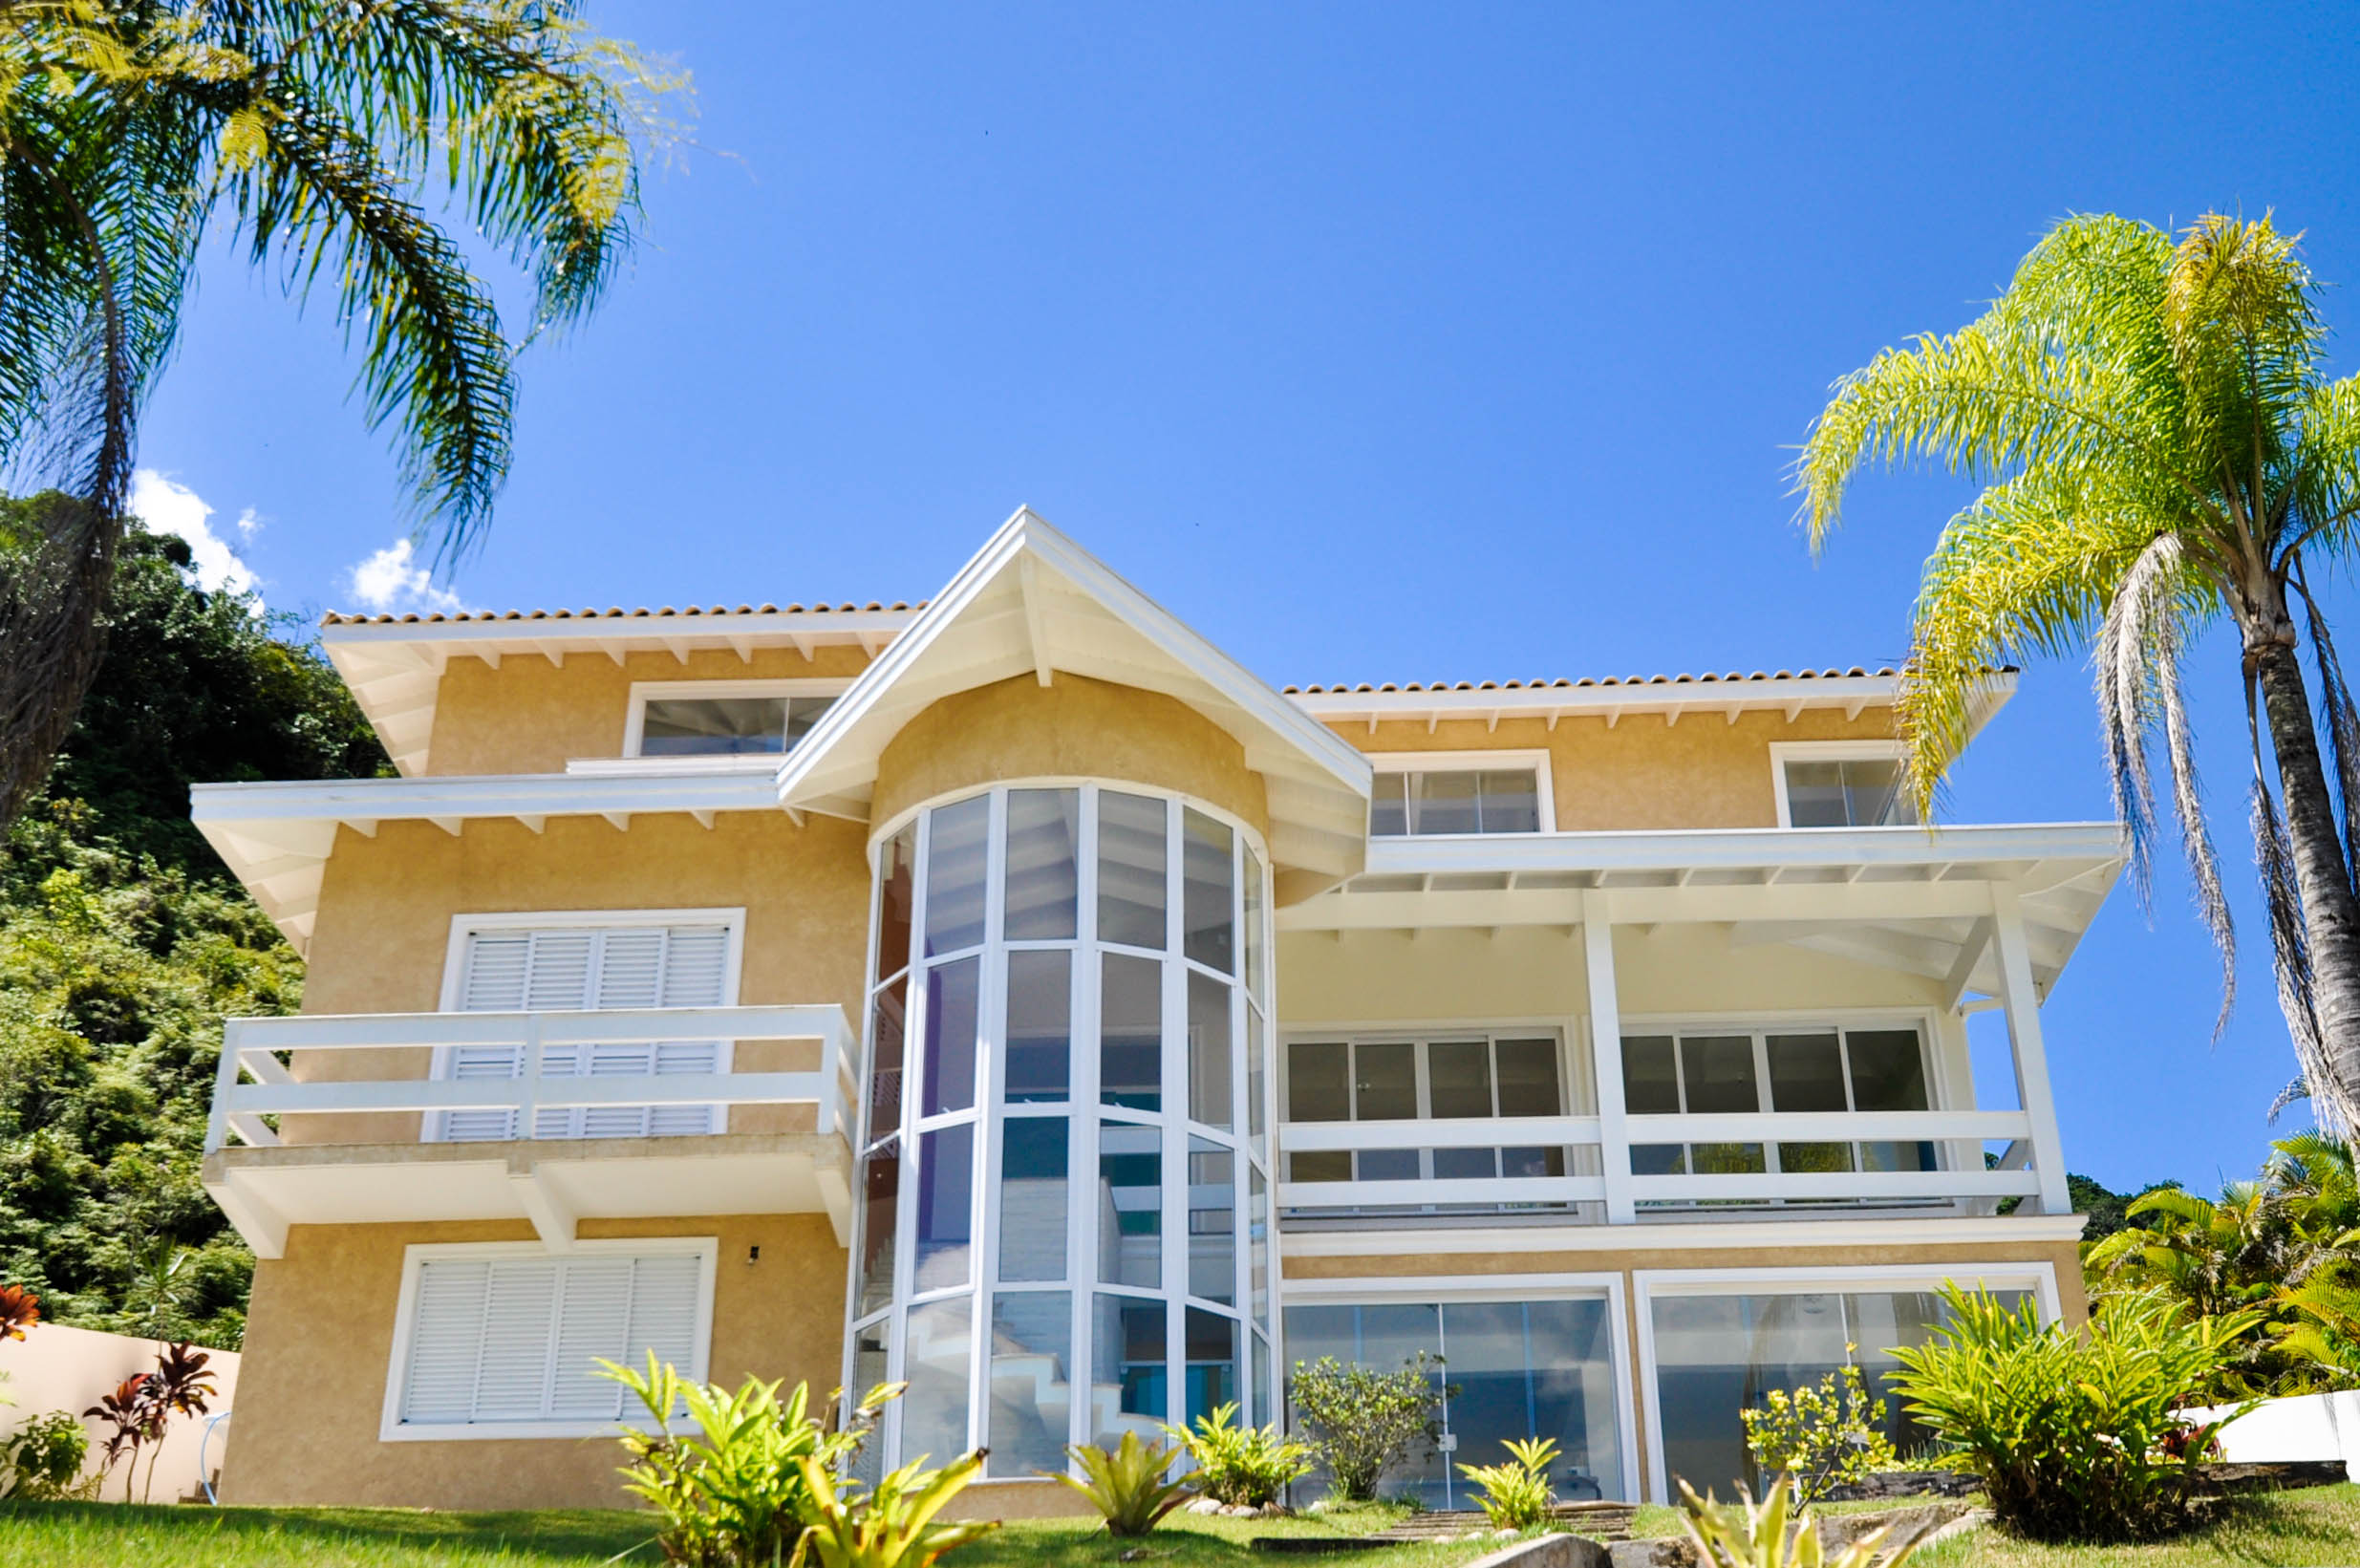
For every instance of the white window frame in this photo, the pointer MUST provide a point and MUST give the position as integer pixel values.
(642, 691)
(391, 1429)
(1475, 761)
(1783, 752)
(1868, 1279)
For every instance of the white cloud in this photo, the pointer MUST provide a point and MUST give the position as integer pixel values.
(392, 580)
(167, 507)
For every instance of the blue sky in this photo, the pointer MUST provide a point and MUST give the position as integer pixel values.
(1380, 342)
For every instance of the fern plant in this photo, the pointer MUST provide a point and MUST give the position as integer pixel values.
(1517, 1495)
(1243, 1467)
(1131, 1487)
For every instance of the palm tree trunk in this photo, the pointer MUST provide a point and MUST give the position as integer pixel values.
(2330, 913)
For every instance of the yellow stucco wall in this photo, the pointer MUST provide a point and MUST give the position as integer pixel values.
(1077, 727)
(529, 716)
(1642, 773)
(319, 1340)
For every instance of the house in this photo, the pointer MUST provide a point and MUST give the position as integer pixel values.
(1015, 997)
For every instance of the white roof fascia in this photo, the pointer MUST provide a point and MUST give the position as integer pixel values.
(832, 767)
(1735, 848)
(1642, 697)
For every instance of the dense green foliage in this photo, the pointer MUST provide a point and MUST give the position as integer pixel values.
(125, 942)
(2075, 1433)
(1363, 1422)
(1242, 1467)
(1822, 1434)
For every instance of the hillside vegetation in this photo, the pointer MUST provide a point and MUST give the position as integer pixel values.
(125, 942)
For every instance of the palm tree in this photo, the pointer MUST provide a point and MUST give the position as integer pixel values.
(2159, 449)
(313, 131)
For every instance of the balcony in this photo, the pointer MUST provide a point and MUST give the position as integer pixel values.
(551, 1117)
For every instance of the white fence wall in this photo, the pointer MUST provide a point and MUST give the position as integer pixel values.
(59, 1368)
(2304, 1427)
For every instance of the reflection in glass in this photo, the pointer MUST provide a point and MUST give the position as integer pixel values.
(1127, 1351)
(1253, 924)
(950, 999)
(955, 875)
(935, 1362)
(726, 726)
(1257, 1083)
(869, 1370)
(1210, 1088)
(945, 1206)
(887, 1018)
(1383, 1338)
(1044, 831)
(1257, 1251)
(897, 864)
(1806, 1072)
(1319, 1088)
(1213, 1362)
(1032, 1197)
(1716, 1073)
(1213, 1221)
(1130, 1033)
(1040, 1024)
(1650, 1076)
(1032, 1382)
(1131, 870)
(880, 1215)
(1131, 1205)
(1208, 874)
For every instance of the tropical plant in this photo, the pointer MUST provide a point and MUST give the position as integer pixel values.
(179, 1386)
(1132, 1487)
(1243, 1467)
(1821, 1434)
(313, 130)
(42, 1462)
(2076, 1433)
(1517, 1495)
(1364, 1421)
(1747, 1535)
(133, 1422)
(2161, 449)
(19, 1310)
(893, 1527)
(732, 1492)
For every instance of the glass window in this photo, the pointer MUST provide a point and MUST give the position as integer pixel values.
(1320, 1089)
(1888, 1070)
(1650, 1076)
(1040, 1024)
(1446, 802)
(1510, 802)
(1806, 1072)
(1388, 805)
(1386, 1089)
(1213, 1362)
(1208, 885)
(1253, 925)
(1131, 1205)
(1257, 1087)
(1045, 830)
(1455, 799)
(1855, 792)
(868, 1363)
(1127, 1355)
(886, 1018)
(1527, 1078)
(951, 1002)
(1210, 1089)
(1032, 1382)
(1257, 1252)
(954, 858)
(945, 1206)
(1131, 869)
(1213, 1221)
(880, 1219)
(1459, 1077)
(896, 861)
(1032, 1197)
(723, 726)
(1130, 1033)
(1716, 1072)
(935, 1363)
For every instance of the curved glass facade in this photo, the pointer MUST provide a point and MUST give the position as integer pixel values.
(1064, 1206)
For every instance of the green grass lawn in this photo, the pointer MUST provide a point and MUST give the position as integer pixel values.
(84, 1535)
(2308, 1529)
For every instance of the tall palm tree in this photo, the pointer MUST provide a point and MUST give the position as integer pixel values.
(2160, 449)
(315, 133)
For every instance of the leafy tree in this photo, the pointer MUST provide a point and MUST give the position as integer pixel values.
(125, 942)
(1363, 1422)
(312, 132)
(2161, 449)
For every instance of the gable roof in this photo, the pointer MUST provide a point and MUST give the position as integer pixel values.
(1032, 602)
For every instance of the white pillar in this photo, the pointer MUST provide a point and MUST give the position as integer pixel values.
(1598, 944)
(2021, 1003)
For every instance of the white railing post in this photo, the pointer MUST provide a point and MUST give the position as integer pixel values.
(529, 1089)
(2021, 1001)
(1597, 946)
(225, 1086)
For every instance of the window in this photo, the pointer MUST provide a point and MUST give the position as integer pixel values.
(1841, 784)
(1423, 794)
(502, 1342)
(1726, 1071)
(576, 966)
(724, 718)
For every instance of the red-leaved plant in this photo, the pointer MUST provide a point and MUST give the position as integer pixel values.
(139, 1407)
(19, 1310)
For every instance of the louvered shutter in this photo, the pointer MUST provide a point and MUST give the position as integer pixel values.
(695, 975)
(494, 981)
(518, 1339)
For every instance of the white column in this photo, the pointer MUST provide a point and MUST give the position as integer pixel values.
(2021, 1003)
(1598, 944)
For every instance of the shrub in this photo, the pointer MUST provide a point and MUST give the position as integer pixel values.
(893, 1527)
(1823, 1435)
(44, 1460)
(1364, 1422)
(1241, 1466)
(2075, 1433)
(733, 1493)
(1751, 1536)
(1128, 1486)
(1517, 1495)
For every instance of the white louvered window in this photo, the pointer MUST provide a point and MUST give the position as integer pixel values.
(510, 1342)
(579, 968)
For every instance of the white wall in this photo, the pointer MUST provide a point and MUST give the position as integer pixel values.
(59, 1368)
(2304, 1427)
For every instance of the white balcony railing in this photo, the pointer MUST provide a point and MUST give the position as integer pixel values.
(255, 1083)
(1567, 1133)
